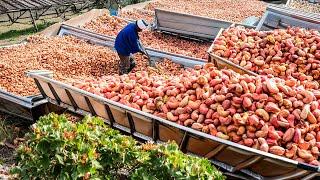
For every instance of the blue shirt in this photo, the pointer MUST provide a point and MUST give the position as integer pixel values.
(127, 41)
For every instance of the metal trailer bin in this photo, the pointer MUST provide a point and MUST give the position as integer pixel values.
(228, 155)
(28, 108)
(225, 63)
(222, 63)
(184, 24)
(76, 27)
(279, 17)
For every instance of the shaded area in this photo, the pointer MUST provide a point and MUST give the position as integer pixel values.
(12, 131)
(21, 32)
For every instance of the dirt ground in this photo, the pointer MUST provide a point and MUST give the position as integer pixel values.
(23, 24)
(6, 155)
(12, 131)
(5, 27)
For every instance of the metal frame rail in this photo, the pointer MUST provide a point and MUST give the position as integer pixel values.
(18, 9)
(190, 25)
(277, 17)
(225, 154)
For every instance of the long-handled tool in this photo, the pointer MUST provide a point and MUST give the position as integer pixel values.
(151, 61)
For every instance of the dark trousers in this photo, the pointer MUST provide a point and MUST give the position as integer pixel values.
(126, 64)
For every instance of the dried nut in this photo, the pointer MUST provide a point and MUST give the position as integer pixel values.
(263, 132)
(188, 122)
(291, 152)
(248, 142)
(304, 154)
(297, 136)
(212, 129)
(263, 145)
(201, 118)
(222, 136)
(205, 129)
(288, 135)
(277, 150)
(197, 126)
(272, 107)
(184, 101)
(171, 117)
(241, 130)
(272, 87)
(309, 137)
(305, 111)
(262, 113)
(315, 150)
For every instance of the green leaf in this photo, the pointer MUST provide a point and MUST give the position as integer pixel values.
(43, 146)
(102, 151)
(59, 158)
(96, 164)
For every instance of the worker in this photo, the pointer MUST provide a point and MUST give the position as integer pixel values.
(127, 43)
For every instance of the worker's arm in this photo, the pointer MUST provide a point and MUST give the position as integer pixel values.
(135, 44)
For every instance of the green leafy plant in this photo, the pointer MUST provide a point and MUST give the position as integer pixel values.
(60, 149)
(166, 161)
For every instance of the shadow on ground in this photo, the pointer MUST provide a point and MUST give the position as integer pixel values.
(22, 32)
